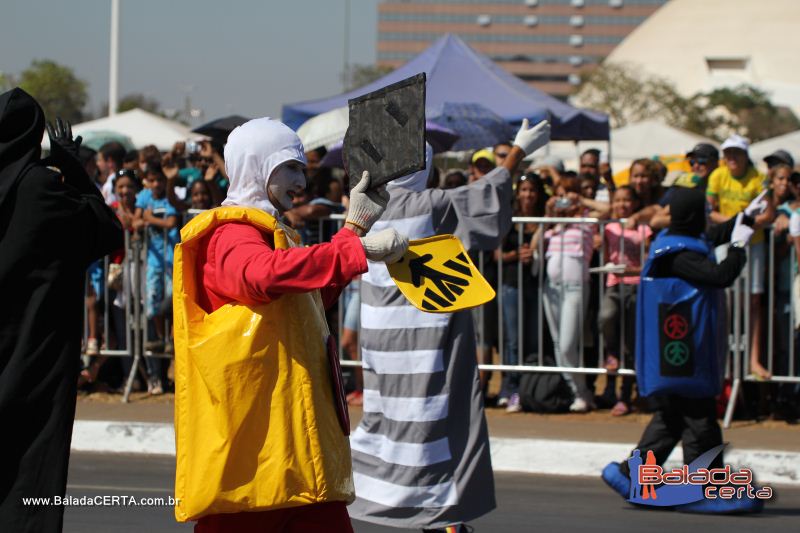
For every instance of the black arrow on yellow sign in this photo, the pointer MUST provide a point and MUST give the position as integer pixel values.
(449, 285)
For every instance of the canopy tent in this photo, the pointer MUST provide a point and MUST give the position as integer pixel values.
(458, 74)
(788, 141)
(645, 139)
(140, 126)
(328, 130)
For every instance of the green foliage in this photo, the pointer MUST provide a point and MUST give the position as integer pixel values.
(134, 100)
(6, 82)
(359, 75)
(753, 114)
(627, 96)
(56, 88)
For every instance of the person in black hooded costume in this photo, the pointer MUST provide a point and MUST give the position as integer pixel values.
(692, 420)
(52, 226)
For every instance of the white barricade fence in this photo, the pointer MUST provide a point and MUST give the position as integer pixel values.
(125, 325)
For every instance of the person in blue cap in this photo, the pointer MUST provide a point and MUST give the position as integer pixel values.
(680, 346)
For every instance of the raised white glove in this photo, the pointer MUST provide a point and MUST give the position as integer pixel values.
(366, 206)
(386, 245)
(794, 224)
(741, 232)
(531, 139)
(757, 206)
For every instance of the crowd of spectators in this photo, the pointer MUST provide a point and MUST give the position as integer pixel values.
(547, 266)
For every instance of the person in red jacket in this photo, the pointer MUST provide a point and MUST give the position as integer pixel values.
(239, 264)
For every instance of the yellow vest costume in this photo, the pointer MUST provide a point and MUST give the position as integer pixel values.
(255, 423)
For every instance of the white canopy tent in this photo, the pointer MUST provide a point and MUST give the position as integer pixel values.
(788, 141)
(141, 127)
(642, 139)
(325, 129)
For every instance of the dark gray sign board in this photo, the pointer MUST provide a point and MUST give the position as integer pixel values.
(386, 134)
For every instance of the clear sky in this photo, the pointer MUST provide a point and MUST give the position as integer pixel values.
(235, 56)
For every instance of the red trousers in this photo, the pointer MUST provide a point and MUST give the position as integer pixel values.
(329, 517)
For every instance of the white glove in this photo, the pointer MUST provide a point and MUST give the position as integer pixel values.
(794, 224)
(366, 206)
(386, 245)
(757, 206)
(741, 231)
(531, 139)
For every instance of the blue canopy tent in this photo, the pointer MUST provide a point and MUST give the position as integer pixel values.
(457, 73)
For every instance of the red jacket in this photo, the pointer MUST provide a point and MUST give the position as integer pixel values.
(240, 265)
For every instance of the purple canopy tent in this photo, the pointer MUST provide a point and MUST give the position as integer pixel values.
(457, 73)
(440, 138)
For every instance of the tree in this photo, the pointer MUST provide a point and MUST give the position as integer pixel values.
(356, 76)
(56, 88)
(6, 82)
(629, 96)
(752, 113)
(134, 100)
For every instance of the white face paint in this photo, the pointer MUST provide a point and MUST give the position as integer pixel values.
(286, 181)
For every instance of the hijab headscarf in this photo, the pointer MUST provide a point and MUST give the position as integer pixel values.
(21, 131)
(418, 180)
(254, 151)
(687, 209)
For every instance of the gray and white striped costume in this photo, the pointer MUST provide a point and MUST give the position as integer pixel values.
(421, 452)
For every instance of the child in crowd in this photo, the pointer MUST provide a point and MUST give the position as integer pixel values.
(200, 193)
(154, 212)
(569, 251)
(623, 247)
(125, 185)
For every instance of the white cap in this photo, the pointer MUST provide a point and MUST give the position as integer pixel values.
(736, 141)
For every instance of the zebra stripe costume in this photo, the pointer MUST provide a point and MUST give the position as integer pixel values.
(421, 452)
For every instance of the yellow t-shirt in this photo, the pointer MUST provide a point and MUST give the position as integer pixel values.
(733, 195)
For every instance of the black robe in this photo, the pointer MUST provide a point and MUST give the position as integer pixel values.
(51, 228)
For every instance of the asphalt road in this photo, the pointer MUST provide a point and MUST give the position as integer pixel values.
(525, 503)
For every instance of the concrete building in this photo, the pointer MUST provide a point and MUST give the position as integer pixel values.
(547, 43)
(704, 45)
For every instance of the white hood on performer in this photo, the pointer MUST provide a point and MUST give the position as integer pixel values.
(418, 180)
(254, 150)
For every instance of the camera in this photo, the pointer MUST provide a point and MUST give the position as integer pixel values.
(563, 203)
(192, 147)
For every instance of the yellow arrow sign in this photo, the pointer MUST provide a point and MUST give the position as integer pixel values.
(436, 275)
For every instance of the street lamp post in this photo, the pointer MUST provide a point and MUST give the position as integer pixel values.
(113, 89)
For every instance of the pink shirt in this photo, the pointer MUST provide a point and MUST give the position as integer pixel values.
(629, 241)
(569, 251)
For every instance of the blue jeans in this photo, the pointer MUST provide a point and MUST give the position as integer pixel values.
(565, 306)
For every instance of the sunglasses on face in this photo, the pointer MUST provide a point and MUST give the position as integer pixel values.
(501, 154)
(699, 161)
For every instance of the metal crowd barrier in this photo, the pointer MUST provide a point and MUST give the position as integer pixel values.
(737, 367)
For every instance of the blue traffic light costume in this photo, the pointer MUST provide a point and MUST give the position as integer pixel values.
(680, 345)
(683, 323)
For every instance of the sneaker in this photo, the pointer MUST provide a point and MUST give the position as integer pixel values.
(154, 387)
(615, 479)
(502, 401)
(92, 347)
(620, 409)
(514, 405)
(579, 405)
